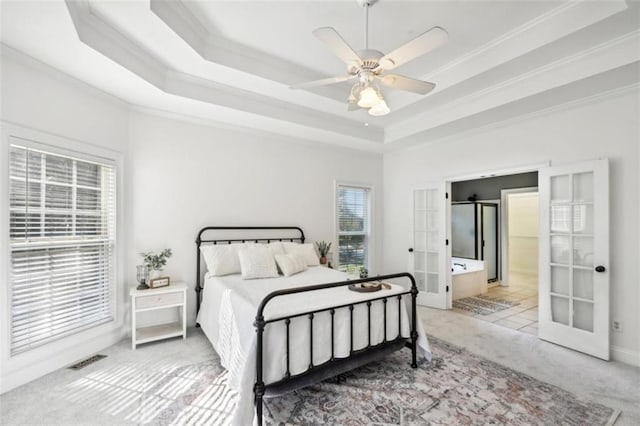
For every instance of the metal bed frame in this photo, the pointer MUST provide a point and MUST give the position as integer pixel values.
(334, 366)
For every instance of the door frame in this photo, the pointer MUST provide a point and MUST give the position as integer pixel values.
(448, 180)
(504, 229)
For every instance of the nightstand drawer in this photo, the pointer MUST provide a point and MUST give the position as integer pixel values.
(152, 301)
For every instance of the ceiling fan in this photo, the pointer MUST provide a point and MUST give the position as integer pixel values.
(369, 66)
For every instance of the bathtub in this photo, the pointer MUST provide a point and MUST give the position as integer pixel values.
(469, 277)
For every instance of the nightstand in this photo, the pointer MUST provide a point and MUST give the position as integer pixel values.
(174, 295)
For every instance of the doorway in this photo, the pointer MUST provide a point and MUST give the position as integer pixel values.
(520, 240)
(520, 234)
(497, 226)
(573, 270)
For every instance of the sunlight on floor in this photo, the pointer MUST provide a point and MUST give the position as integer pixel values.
(162, 391)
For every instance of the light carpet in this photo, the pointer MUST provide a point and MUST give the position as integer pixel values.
(483, 304)
(456, 387)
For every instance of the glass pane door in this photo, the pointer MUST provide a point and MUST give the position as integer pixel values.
(427, 246)
(574, 254)
(571, 247)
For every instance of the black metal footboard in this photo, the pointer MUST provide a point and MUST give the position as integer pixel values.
(333, 366)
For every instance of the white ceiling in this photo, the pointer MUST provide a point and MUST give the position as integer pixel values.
(232, 61)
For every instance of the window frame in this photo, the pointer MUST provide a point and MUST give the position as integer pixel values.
(369, 235)
(38, 360)
(48, 240)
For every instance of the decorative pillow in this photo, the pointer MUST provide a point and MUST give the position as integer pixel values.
(221, 259)
(291, 264)
(276, 248)
(306, 251)
(256, 261)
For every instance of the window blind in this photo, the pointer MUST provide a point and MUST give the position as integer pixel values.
(62, 244)
(353, 226)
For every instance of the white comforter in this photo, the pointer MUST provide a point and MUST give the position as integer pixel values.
(228, 310)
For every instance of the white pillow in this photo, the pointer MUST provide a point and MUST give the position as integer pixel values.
(256, 261)
(306, 251)
(221, 259)
(291, 264)
(276, 248)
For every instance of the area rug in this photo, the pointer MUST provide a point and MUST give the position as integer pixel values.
(483, 304)
(455, 388)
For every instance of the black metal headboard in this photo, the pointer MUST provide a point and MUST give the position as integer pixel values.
(241, 239)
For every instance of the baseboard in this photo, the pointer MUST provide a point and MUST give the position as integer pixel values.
(21, 376)
(625, 355)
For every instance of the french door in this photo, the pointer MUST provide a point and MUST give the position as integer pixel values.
(428, 253)
(574, 257)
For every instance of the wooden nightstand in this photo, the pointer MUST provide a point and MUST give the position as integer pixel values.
(174, 295)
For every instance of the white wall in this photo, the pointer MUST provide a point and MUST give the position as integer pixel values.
(185, 176)
(607, 127)
(523, 233)
(49, 107)
(175, 177)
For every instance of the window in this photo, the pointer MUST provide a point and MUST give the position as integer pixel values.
(353, 226)
(62, 245)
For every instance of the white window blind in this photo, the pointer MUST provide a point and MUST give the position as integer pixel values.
(353, 227)
(62, 244)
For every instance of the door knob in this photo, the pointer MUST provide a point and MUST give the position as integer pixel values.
(410, 250)
(600, 268)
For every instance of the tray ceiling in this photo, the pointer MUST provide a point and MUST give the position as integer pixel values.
(231, 62)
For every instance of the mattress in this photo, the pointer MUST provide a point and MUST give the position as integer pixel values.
(228, 310)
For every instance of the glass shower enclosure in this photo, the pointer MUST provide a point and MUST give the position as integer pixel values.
(474, 234)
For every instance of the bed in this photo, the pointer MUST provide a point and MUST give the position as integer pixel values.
(276, 335)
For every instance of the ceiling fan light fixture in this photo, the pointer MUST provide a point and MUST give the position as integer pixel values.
(369, 97)
(369, 65)
(381, 108)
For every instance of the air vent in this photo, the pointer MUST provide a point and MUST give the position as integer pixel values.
(88, 361)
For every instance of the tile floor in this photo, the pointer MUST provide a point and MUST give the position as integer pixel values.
(523, 317)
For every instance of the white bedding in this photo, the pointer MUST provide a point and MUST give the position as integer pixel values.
(228, 310)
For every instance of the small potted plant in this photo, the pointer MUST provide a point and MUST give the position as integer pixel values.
(323, 250)
(155, 262)
(364, 272)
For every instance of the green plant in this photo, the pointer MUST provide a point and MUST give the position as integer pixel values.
(323, 247)
(364, 272)
(155, 262)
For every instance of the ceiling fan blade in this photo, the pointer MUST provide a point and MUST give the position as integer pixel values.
(323, 82)
(405, 83)
(352, 106)
(420, 45)
(337, 45)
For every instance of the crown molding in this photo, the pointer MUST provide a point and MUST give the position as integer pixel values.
(547, 28)
(521, 118)
(589, 62)
(267, 112)
(371, 148)
(293, 135)
(22, 58)
(220, 50)
(97, 32)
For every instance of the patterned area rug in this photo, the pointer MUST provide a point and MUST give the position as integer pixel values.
(483, 304)
(455, 388)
